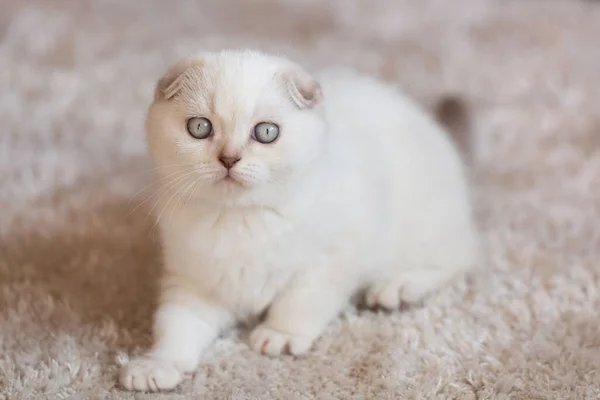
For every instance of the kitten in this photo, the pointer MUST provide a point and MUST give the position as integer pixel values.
(290, 193)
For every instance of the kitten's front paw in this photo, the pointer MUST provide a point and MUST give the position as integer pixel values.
(150, 374)
(272, 342)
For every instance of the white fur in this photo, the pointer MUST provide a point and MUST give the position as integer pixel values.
(361, 191)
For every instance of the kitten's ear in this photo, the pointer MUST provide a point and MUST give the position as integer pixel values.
(302, 88)
(170, 83)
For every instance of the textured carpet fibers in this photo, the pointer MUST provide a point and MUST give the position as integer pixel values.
(78, 252)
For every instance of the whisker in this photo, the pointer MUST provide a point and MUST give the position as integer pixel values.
(184, 191)
(173, 183)
(165, 208)
(160, 167)
(197, 185)
(166, 186)
(165, 190)
(163, 178)
(153, 170)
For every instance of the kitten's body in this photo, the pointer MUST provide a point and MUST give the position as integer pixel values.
(368, 192)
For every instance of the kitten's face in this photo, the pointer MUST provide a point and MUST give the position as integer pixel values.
(234, 125)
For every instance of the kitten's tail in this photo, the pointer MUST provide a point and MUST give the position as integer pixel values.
(452, 112)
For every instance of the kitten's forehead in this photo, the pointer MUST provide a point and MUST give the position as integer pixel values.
(238, 82)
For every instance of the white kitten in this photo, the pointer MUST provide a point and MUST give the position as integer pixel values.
(291, 193)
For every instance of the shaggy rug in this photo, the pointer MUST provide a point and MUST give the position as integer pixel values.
(78, 252)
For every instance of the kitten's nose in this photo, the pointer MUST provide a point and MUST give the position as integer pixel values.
(228, 162)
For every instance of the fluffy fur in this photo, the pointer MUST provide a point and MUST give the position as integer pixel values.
(362, 191)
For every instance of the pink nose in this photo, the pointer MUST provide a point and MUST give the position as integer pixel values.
(229, 162)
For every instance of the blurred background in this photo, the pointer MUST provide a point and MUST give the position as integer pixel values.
(78, 258)
(81, 72)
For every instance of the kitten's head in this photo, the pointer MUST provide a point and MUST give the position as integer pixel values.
(235, 126)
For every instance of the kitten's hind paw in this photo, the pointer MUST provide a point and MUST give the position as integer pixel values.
(149, 374)
(272, 342)
(404, 289)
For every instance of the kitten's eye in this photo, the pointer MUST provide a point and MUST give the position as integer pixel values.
(200, 128)
(266, 132)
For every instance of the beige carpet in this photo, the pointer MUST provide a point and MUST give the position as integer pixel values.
(78, 260)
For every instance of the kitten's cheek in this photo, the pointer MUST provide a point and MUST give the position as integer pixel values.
(265, 177)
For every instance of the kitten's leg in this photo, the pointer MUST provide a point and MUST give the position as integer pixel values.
(301, 312)
(452, 257)
(409, 286)
(184, 326)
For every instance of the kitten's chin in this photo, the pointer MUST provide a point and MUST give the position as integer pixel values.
(230, 184)
(234, 191)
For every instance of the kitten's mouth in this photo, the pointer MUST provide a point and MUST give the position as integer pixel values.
(230, 179)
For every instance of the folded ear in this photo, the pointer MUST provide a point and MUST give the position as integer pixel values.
(302, 88)
(170, 83)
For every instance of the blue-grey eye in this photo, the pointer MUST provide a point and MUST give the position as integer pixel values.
(199, 128)
(266, 132)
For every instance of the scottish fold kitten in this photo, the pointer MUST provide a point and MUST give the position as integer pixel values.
(288, 193)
